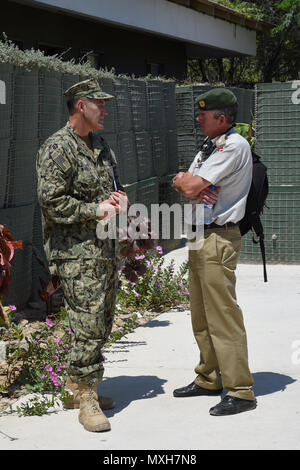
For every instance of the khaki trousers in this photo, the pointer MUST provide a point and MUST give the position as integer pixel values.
(217, 319)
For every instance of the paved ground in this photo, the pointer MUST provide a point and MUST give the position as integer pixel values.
(143, 369)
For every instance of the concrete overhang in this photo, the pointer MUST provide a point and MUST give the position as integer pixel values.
(207, 28)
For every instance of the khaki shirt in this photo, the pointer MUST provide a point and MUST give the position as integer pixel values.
(230, 167)
(72, 181)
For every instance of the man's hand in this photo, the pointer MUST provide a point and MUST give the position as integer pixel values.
(116, 203)
(120, 199)
(208, 195)
(176, 180)
(107, 209)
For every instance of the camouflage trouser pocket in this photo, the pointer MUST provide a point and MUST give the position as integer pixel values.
(90, 288)
(86, 283)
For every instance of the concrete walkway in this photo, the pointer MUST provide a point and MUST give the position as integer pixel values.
(143, 369)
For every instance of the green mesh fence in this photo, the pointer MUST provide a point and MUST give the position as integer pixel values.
(278, 113)
(138, 98)
(169, 105)
(278, 144)
(26, 104)
(21, 188)
(123, 105)
(155, 107)
(172, 151)
(50, 103)
(4, 153)
(159, 152)
(131, 191)
(126, 157)
(144, 156)
(281, 226)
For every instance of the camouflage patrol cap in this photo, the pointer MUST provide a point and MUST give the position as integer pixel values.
(87, 89)
(217, 98)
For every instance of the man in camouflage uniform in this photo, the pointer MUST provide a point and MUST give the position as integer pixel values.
(78, 185)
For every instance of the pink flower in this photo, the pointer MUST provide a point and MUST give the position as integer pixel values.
(49, 322)
(48, 368)
(69, 330)
(56, 340)
(12, 307)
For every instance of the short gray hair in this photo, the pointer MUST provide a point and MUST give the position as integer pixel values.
(230, 112)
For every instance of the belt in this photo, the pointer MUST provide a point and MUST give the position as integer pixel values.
(213, 226)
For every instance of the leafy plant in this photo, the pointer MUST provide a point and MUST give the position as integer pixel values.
(159, 287)
(247, 131)
(7, 249)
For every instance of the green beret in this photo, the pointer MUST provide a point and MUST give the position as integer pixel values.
(216, 98)
(87, 89)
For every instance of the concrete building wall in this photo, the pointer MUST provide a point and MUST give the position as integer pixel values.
(127, 51)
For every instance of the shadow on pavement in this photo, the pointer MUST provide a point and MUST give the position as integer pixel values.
(155, 323)
(125, 389)
(270, 382)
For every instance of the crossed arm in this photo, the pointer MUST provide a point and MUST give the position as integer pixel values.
(195, 187)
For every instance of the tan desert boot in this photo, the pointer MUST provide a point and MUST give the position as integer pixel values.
(106, 403)
(90, 414)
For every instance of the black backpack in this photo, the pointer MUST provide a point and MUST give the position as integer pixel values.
(255, 204)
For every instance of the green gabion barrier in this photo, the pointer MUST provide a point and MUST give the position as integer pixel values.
(277, 113)
(140, 128)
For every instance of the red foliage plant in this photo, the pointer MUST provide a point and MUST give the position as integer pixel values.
(7, 249)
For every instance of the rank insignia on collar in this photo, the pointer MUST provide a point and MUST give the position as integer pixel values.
(221, 141)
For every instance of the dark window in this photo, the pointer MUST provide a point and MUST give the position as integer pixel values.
(19, 44)
(49, 50)
(95, 59)
(155, 69)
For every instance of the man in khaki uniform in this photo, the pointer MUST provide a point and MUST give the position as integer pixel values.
(78, 185)
(224, 162)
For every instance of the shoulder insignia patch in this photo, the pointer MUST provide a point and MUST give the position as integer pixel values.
(62, 162)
